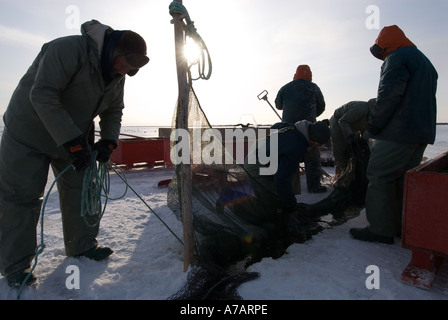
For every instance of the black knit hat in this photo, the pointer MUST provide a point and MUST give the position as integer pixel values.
(133, 48)
(319, 132)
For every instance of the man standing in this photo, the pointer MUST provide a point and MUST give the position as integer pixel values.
(402, 123)
(301, 99)
(49, 121)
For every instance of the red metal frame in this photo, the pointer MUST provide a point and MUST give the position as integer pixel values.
(425, 220)
(147, 152)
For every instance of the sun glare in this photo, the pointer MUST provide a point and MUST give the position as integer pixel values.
(191, 51)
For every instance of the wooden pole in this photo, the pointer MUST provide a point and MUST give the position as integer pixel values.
(182, 123)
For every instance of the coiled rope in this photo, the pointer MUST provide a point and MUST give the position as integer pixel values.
(96, 184)
(204, 58)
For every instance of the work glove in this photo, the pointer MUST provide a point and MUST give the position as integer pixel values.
(105, 148)
(79, 153)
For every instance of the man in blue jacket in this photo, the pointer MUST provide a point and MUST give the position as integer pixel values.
(275, 192)
(402, 122)
(262, 219)
(302, 99)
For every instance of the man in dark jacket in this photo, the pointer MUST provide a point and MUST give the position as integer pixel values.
(402, 123)
(301, 99)
(49, 122)
(275, 192)
(262, 217)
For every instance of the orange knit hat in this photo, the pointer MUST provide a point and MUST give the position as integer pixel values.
(303, 72)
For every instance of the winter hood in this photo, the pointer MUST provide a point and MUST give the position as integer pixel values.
(95, 30)
(302, 126)
(318, 131)
(390, 39)
(303, 72)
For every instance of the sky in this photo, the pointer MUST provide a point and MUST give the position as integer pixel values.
(254, 46)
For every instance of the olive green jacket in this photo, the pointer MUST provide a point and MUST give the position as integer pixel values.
(353, 116)
(63, 91)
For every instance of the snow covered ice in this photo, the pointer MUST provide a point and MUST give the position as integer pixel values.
(147, 263)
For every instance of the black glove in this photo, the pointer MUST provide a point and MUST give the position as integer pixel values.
(105, 149)
(79, 153)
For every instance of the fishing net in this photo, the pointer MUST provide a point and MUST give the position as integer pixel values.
(211, 283)
(235, 218)
(235, 213)
(230, 223)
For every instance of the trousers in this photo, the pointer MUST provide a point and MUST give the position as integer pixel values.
(23, 178)
(388, 164)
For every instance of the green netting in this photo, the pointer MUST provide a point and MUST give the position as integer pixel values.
(229, 225)
(235, 216)
(236, 220)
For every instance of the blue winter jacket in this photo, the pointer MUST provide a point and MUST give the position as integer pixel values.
(300, 100)
(292, 147)
(406, 108)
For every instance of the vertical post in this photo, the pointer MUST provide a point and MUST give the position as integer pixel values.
(182, 123)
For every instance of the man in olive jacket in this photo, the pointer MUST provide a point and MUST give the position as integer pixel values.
(348, 124)
(49, 121)
(402, 123)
